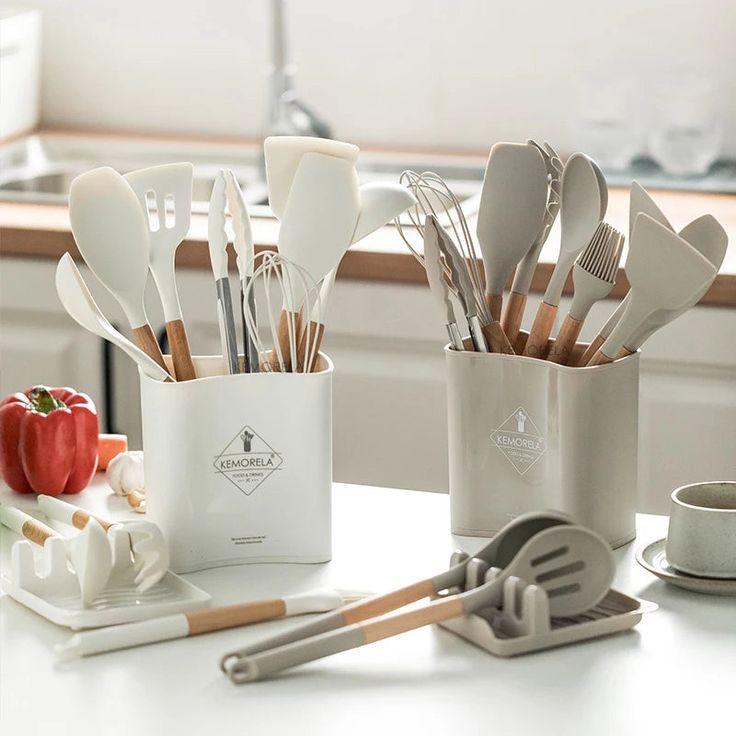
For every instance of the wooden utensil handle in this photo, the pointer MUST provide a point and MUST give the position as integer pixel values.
(432, 613)
(227, 617)
(181, 355)
(380, 604)
(494, 301)
(80, 518)
(624, 352)
(255, 666)
(600, 359)
(496, 338)
(311, 346)
(536, 345)
(513, 314)
(565, 342)
(283, 333)
(37, 531)
(591, 350)
(146, 341)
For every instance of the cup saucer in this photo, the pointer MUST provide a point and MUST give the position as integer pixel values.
(653, 558)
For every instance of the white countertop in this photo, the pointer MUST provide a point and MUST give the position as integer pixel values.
(675, 671)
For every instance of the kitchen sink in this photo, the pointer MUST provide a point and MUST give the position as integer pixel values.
(40, 167)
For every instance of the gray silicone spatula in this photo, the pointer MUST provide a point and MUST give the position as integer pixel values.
(512, 207)
(111, 233)
(707, 236)
(82, 308)
(513, 312)
(170, 187)
(580, 213)
(317, 227)
(639, 201)
(665, 272)
(498, 552)
(572, 564)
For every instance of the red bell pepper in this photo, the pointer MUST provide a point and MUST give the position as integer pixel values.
(48, 440)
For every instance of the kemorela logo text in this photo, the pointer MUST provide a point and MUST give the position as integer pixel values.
(519, 439)
(247, 460)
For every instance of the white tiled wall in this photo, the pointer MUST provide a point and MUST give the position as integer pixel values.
(459, 73)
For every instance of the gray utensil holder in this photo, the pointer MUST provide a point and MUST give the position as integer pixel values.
(526, 434)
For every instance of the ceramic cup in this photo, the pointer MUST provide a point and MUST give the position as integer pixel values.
(701, 539)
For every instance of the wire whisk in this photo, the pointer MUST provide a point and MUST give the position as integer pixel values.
(281, 279)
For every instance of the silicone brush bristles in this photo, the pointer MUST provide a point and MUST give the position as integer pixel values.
(602, 255)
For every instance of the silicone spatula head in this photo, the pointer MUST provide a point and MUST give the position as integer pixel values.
(512, 208)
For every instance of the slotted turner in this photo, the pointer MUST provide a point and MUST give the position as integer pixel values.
(574, 565)
(170, 187)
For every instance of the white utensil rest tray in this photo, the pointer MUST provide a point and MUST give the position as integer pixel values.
(239, 467)
(526, 434)
(42, 581)
(532, 630)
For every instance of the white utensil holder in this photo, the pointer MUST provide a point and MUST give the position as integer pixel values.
(526, 434)
(239, 467)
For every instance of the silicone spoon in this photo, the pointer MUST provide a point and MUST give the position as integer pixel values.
(111, 233)
(78, 302)
(581, 210)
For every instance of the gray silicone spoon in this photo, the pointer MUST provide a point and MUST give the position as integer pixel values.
(580, 213)
(512, 207)
(498, 552)
(574, 565)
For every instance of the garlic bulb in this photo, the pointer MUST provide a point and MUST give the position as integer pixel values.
(125, 476)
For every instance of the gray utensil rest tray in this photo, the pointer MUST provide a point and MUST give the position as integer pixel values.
(532, 630)
(527, 434)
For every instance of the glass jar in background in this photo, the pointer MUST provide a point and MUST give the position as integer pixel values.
(609, 127)
(686, 125)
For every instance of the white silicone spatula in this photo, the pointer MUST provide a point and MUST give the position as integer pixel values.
(82, 308)
(581, 210)
(317, 227)
(380, 202)
(511, 213)
(169, 188)
(665, 272)
(112, 235)
(282, 155)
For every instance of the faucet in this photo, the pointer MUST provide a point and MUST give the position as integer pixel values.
(288, 115)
